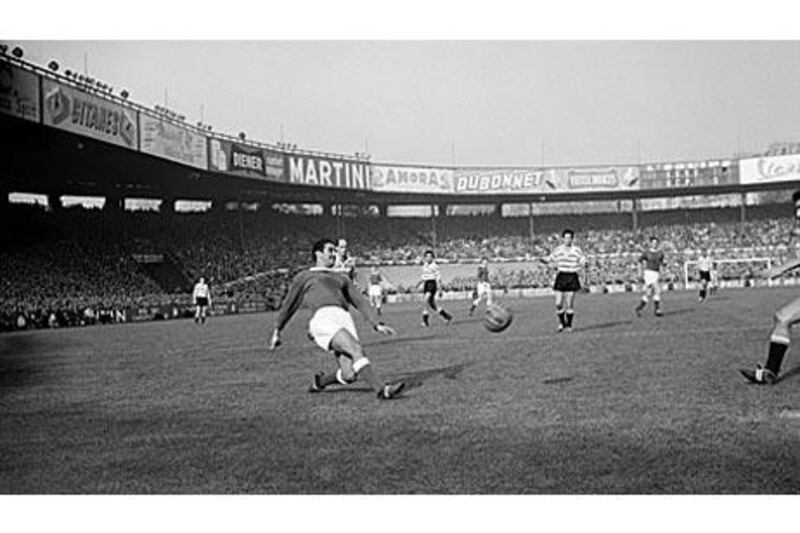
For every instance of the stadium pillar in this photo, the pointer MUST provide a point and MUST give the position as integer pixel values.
(498, 210)
(383, 210)
(54, 202)
(167, 205)
(114, 203)
(742, 212)
(433, 227)
(531, 231)
(635, 214)
(327, 209)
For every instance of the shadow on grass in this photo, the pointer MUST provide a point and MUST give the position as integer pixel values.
(400, 339)
(789, 374)
(411, 379)
(675, 312)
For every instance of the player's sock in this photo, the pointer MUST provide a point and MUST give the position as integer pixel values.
(657, 305)
(642, 304)
(333, 378)
(472, 308)
(364, 370)
(702, 294)
(568, 316)
(443, 312)
(379, 310)
(425, 318)
(775, 357)
(562, 319)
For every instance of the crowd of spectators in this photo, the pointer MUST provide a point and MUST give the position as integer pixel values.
(77, 266)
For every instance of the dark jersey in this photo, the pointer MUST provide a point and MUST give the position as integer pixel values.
(653, 259)
(483, 273)
(321, 287)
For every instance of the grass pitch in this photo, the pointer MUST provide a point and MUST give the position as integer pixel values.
(622, 405)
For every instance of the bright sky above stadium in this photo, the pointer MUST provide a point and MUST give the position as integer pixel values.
(468, 102)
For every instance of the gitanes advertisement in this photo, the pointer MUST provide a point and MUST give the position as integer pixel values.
(73, 110)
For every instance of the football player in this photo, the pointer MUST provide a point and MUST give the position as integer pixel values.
(431, 277)
(568, 259)
(650, 263)
(483, 288)
(201, 298)
(329, 295)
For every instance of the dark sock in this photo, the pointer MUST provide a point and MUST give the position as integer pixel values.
(561, 318)
(471, 309)
(775, 357)
(445, 314)
(703, 294)
(641, 305)
(379, 311)
(328, 379)
(657, 305)
(568, 318)
(425, 318)
(370, 377)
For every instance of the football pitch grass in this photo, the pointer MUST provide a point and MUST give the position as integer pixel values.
(622, 405)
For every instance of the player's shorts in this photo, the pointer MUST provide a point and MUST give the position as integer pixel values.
(567, 282)
(375, 290)
(650, 278)
(705, 275)
(327, 322)
(483, 288)
(202, 301)
(430, 286)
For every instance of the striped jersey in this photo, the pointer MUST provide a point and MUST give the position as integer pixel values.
(375, 279)
(567, 258)
(431, 271)
(704, 264)
(200, 290)
(345, 265)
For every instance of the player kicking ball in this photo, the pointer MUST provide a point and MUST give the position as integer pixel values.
(784, 319)
(329, 295)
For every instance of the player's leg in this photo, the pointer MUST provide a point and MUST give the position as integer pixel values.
(644, 299)
(779, 342)
(657, 298)
(438, 309)
(560, 311)
(354, 365)
(203, 311)
(344, 375)
(488, 292)
(196, 314)
(476, 299)
(701, 296)
(569, 312)
(427, 298)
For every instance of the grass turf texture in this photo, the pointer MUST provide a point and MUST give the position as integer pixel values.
(621, 405)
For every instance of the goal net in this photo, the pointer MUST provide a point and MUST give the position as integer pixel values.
(727, 269)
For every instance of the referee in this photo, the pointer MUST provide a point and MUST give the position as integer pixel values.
(568, 259)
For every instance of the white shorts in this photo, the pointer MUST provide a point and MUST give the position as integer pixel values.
(483, 288)
(650, 278)
(375, 290)
(327, 322)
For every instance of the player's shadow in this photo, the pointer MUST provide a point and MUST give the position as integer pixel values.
(604, 325)
(789, 374)
(411, 379)
(676, 312)
(416, 379)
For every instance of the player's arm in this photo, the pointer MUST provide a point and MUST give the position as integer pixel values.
(779, 270)
(358, 301)
(291, 303)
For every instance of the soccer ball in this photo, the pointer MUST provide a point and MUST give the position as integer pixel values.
(496, 318)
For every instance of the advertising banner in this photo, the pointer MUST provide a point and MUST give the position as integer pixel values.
(73, 110)
(769, 169)
(411, 179)
(691, 174)
(246, 161)
(327, 172)
(552, 180)
(170, 141)
(19, 92)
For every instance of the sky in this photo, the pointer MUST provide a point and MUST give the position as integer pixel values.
(466, 102)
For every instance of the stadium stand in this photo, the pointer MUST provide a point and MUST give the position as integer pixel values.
(77, 266)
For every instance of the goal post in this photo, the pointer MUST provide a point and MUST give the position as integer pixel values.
(726, 268)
